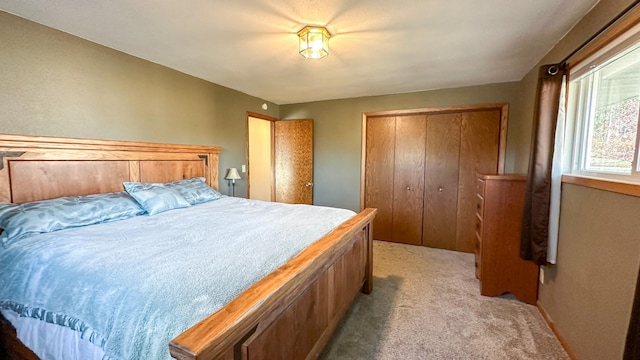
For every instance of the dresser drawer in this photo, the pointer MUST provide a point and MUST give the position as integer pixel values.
(479, 226)
(480, 205)
(480, 186)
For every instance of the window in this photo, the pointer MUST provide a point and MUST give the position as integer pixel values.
(603, 112)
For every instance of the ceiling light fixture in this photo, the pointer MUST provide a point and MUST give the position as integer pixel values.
(314, 42)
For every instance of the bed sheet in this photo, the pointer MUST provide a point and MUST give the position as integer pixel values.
(51, 341)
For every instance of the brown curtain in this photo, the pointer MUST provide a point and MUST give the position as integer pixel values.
(632, 346)
(535, 222)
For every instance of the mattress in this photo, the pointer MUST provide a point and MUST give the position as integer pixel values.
(128, 287)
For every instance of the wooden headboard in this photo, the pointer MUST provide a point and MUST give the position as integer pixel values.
(37, 168)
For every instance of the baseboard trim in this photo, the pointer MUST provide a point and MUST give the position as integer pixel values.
(552, 325)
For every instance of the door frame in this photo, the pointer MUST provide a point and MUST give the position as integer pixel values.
(273, 153)
(502, 147)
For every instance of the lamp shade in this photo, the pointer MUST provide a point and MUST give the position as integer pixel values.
(314, 42)
(232, 174)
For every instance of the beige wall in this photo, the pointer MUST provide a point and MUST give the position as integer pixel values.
(589, 293)
(338, 133)
(260, 172)
(55, 84)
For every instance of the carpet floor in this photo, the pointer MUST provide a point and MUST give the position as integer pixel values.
(426, 304)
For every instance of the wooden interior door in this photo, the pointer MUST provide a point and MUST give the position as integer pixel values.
(479, 147)
(379, 160)
(408, 178)
(441, 180)
(294, 161)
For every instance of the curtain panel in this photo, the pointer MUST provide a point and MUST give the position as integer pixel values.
(535, 223)
(557, 168)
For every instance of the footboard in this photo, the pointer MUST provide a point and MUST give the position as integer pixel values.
(292, 312)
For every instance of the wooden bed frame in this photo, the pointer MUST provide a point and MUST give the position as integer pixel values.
(289, 314)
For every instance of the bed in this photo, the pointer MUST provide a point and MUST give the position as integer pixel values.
(289, 312)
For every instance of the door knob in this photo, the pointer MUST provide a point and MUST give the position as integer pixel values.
(440, 189)
(309, 184)
(408, 187)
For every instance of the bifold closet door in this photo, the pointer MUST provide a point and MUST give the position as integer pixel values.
(459, 145)
(420, 173)
(380, 157)
(394, 176)
(479, 148)
(441, 180)
(408, 179)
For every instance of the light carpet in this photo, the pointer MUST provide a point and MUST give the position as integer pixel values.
(426, 304)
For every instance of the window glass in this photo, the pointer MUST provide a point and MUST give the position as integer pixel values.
(607, 110)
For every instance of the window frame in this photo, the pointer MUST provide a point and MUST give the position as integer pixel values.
(579, 124)
(615, 30)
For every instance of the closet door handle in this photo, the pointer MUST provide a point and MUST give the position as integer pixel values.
(408, 187)
(440, 189)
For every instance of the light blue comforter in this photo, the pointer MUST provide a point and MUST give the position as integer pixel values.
(133, 285)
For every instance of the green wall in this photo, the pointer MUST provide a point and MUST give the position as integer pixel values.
(56, 84)
(338, 133)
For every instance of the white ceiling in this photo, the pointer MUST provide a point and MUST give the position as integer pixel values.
(378, 46)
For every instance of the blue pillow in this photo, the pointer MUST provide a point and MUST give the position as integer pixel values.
(155, 198)
(22, 220)
(4, 207)
(194, 190)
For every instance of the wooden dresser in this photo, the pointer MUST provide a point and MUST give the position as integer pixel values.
(500, 202)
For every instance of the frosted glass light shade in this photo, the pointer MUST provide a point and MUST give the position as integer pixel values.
(314, 42)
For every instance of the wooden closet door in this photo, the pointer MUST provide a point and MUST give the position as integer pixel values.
(420, 173)
(408, 178)
(441, 180)
(479, 146)
(381, 138)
